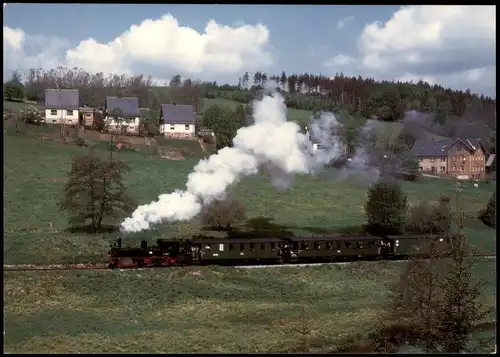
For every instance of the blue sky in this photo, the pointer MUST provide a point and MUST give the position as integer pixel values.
(384, 42)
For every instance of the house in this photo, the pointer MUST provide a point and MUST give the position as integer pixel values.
(129, 118)
(201, 132)
(62, 106)
(315, 141)
(452, 157)
(177, 121)
(87, 116)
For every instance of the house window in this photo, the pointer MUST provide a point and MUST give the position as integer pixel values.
(54, 121)
(70, 121)
(432, 159)
(88, 115)
(443, 169)
(421, 159)
(53, 112)
(462, 168)
(172, 127)
(421, 168)
(69, 112)
(186, 127)
(443, 159)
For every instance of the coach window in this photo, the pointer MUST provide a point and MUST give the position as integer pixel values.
(347, 244)
(329, 245)
(316, 245)
(273, 246)
(252, 248)
(262, 246)
(231, 248)
(371, 243)
(338, 245)
(242, 246)
(359, 244)
(304, 246)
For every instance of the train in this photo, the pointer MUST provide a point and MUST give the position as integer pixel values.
(273, 250)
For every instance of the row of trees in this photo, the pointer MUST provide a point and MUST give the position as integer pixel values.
(386, 100)
(95, 87)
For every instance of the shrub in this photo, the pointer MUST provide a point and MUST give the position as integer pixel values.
(488, 215)
(222, 214)
(385, 208)
(430, 217)
(208, 139)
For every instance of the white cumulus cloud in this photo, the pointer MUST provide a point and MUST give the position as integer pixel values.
(162, 44)
(450, 45)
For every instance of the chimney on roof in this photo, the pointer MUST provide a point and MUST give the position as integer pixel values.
(174, 104)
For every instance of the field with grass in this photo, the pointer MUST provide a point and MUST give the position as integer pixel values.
(296, 115)
(202, 309)
(16, 106)
(35, 231)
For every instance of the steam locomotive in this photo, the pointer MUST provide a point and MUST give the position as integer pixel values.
(277, 250)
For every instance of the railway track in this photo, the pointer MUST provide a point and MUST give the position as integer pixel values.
(102, 266)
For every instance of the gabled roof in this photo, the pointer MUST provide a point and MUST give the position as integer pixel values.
(177, 114)
(128, 105)
(431, 147)
(62, 99)
(440, 147)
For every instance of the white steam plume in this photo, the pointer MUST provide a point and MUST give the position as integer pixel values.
(271, 141)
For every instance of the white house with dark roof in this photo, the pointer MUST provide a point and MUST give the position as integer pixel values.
(177, 121)
(130, 115)
(62, 106)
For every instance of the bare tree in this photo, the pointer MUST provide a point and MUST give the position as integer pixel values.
(436, 298)
(95, 192)
(222, 214)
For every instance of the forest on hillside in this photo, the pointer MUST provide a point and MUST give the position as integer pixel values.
(449, 112)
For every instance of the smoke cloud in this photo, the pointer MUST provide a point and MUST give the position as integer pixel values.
(271, 142)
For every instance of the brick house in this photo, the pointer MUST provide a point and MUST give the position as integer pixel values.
(177, 121)
(130, 120)
(452, 157)
(62, 106)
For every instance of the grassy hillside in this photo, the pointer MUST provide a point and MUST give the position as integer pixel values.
(35, 172)
(297, 115)
(20, 105)
(201, 309)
